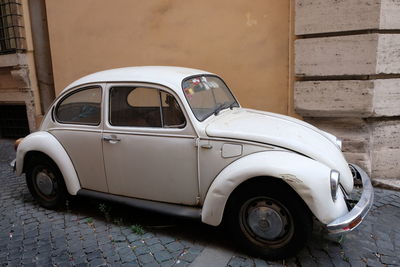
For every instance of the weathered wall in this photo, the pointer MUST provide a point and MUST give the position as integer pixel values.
(348, 77)
(15, 87)
(18, 84)
(246, 42)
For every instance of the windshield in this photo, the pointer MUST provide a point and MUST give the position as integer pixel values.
(207, 95)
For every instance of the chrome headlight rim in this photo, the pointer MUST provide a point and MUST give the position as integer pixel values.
(334, 183)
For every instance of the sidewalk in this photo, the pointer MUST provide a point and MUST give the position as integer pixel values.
(94, 233)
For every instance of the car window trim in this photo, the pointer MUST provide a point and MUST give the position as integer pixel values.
(161, 109)
(139, 85)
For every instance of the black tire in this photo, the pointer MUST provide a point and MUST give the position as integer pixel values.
(46, 183)
(268, 221)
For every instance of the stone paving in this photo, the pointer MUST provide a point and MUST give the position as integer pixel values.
(94, 233)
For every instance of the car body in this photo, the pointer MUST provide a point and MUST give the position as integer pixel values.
(175, 140)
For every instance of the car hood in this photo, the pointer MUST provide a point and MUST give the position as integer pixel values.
(282, 131)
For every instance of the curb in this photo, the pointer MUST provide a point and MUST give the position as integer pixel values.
(385, 183)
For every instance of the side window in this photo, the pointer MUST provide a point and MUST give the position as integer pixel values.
(144, 107)
(80, 107)
(135, 106)
(172, 114)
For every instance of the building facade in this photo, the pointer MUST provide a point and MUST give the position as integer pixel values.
(332, 63)
(19, 105)
(26, 82)
(348, 77)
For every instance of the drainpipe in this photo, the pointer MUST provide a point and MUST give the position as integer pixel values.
(42, 53)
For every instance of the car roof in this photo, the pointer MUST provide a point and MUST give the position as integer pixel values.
(165, 75)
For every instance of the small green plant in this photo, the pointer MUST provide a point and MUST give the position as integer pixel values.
(137, 229)
(89, 220)
(340, 240)
(106, 211)
(118, 221)
(346, 259)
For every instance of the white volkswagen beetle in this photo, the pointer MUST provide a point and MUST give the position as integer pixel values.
(176, 141)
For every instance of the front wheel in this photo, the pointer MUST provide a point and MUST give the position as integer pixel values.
(271, 222)
(45, 182)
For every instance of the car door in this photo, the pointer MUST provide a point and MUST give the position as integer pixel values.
(78, 127)
(149, 145)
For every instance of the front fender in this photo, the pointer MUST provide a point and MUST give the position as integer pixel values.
(46, 143)
(309, 178)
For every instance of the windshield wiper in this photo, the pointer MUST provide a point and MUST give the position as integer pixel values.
(224, 106)
(233, 104)
(219, 108)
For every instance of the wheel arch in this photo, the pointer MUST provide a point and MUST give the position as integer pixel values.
(45, 144)
(308, 178)
(30, 155)
(261, 181)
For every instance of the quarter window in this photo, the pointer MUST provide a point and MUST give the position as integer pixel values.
(80, 107)
(172, 113)
(144, 107)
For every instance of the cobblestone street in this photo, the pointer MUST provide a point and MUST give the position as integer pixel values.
(96, 233)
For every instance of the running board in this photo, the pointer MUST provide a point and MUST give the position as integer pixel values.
(160, 207)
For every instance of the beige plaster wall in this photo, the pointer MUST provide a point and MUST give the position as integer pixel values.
(246, 42)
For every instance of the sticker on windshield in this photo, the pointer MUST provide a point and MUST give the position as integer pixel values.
(189, 92)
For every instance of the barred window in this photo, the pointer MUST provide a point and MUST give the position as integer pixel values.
(12, 38)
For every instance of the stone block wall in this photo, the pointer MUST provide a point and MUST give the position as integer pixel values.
(347, 66)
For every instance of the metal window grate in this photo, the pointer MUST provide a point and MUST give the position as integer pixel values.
(13, 121)
(12, 37)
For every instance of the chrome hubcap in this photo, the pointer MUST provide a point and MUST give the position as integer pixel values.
(44, 183)
(265, 222)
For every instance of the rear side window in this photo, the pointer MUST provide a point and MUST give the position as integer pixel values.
(80, 107)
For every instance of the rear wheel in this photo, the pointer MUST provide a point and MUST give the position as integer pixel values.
(271, 222)
(45, 182)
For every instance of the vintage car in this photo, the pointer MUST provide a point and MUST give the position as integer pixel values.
(175, 140)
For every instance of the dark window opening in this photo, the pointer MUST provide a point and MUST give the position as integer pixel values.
(12, 38)
(13, 121)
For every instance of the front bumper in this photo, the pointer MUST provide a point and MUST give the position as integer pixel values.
(13, 164)
(355, 216)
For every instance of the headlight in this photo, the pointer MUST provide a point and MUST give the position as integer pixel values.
(339, 143)
(335, 180)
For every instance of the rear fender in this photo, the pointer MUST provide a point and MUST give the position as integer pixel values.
(46, 143)
(309, 178)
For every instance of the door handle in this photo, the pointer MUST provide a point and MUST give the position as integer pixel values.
(206, 146)
(111, 139)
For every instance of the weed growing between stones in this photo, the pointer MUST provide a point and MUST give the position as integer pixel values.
(105, 210)
(137, 229)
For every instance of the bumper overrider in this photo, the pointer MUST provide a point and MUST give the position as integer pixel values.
(355, 216)
(13, 164)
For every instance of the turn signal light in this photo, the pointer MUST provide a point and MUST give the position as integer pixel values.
(352, 224)
(17, 142)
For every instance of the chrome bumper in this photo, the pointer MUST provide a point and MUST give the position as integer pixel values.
(13, 164)
(355, 216)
